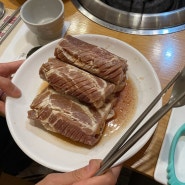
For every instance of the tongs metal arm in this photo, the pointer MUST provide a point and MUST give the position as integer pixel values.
(120, 148)
(146, 127)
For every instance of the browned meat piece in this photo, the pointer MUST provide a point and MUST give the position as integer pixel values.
(68, 79)
(62, 114)
(93, 59)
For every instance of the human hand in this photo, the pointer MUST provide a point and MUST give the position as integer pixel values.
(83, 176)
(7, 88)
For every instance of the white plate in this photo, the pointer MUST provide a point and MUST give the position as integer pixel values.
(52, 152)
(177, 119)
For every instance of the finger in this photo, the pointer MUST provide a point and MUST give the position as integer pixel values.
(2, 95)
(82, 173)
(9, 88)
(7, 69)
(116, 170)
(2, 108)
(85, 172)
(74, 176)
(109, 178)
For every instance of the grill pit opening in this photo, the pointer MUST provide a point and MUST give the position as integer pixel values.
(142, 17)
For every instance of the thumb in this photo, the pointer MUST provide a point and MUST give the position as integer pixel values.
(9, 88)
(73, 176)
(86, 172)
(82, 173)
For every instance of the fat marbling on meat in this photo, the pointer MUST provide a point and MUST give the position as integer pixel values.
(73, 81)
(64, 114)
(93, 59)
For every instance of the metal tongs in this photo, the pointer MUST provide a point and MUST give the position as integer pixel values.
(177, 99)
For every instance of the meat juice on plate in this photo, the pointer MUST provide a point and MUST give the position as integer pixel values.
(124, 110)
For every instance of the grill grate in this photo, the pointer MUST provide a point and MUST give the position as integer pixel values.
(146, 6)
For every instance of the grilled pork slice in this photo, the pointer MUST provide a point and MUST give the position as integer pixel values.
(62, 114)
(68, 79)
(93, 59)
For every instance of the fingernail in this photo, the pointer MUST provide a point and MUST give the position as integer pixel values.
(93, 165)
(16, 92)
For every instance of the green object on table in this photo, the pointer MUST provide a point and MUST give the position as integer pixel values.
(171, 175)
